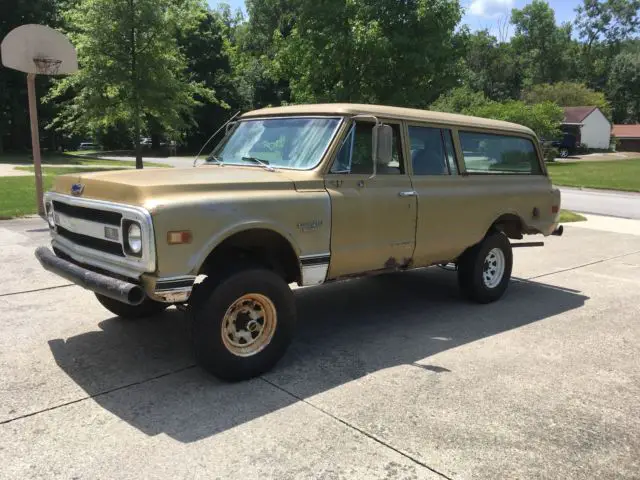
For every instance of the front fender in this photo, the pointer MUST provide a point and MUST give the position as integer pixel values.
(214, 219)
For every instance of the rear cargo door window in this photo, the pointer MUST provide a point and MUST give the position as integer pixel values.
(487, 153)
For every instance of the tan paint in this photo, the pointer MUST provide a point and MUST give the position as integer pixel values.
(363, 222)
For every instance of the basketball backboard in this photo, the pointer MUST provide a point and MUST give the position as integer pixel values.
(38, 49)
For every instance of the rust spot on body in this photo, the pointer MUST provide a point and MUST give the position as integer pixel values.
(391, 263)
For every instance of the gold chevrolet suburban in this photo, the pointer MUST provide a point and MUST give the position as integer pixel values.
(302, 194)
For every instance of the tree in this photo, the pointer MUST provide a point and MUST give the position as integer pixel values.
(374, 51)
(624, 88)
(253, 50)
(544, 49)
(207, 51)
(604, 26)
(131, 69)
(567, 94)
(543, 118)
(609, 20)
(460, 100)
(14, 115)
(492, 67)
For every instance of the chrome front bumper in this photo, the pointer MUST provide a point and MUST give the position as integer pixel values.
(90, 225)
(117, 289)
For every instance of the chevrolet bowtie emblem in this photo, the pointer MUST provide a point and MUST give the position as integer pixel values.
(77, 189)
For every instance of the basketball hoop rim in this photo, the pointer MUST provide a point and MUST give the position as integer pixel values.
(47, 65)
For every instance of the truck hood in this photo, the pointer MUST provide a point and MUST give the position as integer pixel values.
(134, 187)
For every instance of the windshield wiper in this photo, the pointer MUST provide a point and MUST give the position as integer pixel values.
(213, 158)
(262, 163)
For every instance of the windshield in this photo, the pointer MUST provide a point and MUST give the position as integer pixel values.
(296, 143)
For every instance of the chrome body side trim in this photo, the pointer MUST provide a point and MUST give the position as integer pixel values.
(174, 289)
(314, 268)
(129, 265)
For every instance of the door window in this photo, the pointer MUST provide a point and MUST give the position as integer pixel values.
(356, 152)
(432, 151)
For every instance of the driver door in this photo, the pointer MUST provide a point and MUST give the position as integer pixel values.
(373, 219)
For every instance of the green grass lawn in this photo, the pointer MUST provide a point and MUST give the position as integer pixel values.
(68, 159)
(18, 194)
(567, 217)
(612, 175)
(63, 170)
(18, 197)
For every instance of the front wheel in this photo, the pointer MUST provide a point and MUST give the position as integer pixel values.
(244, 324)
(564, 152)
(484, 270)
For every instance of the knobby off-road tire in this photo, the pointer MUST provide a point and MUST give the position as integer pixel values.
(484, 270)
(147, 308)
(243, 323)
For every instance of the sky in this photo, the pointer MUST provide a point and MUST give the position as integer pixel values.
(481, 14)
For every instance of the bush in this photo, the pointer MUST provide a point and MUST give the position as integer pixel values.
(550, 153)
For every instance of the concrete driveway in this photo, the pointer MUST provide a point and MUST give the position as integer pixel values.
(390, 377)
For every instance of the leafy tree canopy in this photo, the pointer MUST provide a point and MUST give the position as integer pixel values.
(624, 87)
(543, 118)
(366, 51)
(567, 94)
(132, 71)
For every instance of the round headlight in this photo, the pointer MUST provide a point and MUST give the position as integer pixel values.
(50, 218)
(134, 238)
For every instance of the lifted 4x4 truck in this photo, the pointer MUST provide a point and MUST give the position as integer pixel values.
(302, 194)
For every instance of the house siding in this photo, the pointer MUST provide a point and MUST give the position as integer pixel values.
(596, 130)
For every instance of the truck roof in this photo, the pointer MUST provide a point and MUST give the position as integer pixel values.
(383, 111)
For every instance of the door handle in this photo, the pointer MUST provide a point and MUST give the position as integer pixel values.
(411, 193)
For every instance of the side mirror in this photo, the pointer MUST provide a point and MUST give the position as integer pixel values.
(382, 145)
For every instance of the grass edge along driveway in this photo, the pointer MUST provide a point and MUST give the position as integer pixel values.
(621, 175)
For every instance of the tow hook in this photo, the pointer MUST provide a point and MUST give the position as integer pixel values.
(558, 231)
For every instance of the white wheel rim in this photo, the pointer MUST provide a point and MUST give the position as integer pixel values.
(493, 269)
(249, 324)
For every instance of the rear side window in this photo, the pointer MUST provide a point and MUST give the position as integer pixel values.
(498, 154)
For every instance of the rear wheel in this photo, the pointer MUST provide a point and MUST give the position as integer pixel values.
(564, 152)
(484, 270)
(243, 324)
(147, 308)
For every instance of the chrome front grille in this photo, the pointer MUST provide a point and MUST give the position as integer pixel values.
(91, 214)
(113, 248)
(92, 232)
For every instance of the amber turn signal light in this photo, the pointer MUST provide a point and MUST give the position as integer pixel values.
(177, 238)
(555, 209)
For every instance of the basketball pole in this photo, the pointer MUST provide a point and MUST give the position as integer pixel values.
(35, 140)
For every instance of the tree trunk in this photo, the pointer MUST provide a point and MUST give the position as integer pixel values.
(136, 99)
(136, 139)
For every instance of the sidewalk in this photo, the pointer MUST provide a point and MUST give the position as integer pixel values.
(608, 224)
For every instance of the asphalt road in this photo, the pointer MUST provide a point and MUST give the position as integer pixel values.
(389, 377)
(615, 204)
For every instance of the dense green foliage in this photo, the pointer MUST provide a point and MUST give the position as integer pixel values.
(543, 117)
(175, 69)
(135, 81)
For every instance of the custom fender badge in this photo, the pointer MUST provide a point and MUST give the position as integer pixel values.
(310, 226)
